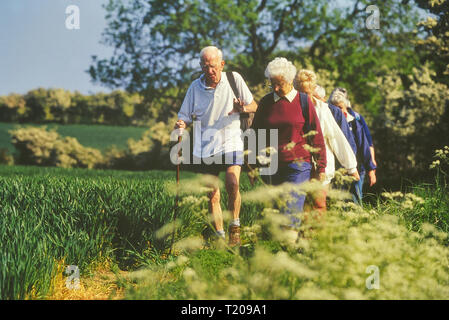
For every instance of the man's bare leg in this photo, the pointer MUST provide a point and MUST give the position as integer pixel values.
(234, 198)
(215, 209)
(234, 203)
(232, 187)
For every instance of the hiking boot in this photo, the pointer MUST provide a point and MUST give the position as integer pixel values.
(234, 235)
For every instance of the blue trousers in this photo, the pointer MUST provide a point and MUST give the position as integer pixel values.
(297, 174)
(357, 189)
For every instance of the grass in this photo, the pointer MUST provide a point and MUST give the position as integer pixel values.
(417, 205)
(332, 261)
(403, 239)
(103, 284)
(82, 217)
(100, 137)
(108, 224)
(77, 219)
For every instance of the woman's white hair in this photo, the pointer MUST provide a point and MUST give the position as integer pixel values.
(338, 97)
(213, 50)
(281, 67)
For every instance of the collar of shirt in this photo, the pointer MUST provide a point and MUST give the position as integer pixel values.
(348, 116)
(203, 82)
(289, 96)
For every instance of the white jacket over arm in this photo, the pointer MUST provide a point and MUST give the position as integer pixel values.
(336, 143)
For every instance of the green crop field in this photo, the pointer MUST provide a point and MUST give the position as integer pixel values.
(96, 136)
(83, 217)
(79, 216)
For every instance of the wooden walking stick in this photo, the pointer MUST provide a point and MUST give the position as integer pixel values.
(177, 191)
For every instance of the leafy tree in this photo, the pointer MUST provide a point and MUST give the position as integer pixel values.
(157, 42)
(57, 103)
(12, 107)
(436, 43)
(413, 123)
(36, 106)
(360, 54)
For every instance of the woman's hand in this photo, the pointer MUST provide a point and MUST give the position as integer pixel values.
(372, 177)
(356, 175)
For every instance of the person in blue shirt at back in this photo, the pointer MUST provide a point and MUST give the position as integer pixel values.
(363, 122)
(339, 118)
(363, 151)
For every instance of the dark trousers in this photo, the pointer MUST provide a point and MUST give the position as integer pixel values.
(297, 174)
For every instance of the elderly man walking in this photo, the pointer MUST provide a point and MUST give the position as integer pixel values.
(210, 101)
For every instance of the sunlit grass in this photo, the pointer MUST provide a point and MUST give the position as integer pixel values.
(108, 222)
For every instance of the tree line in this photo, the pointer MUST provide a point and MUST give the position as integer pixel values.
(65, 107)
(397, 76)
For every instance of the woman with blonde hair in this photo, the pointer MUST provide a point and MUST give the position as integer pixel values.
(336, 143)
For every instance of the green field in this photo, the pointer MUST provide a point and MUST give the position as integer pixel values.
(96, 136)
(86, 217)
(80, 217)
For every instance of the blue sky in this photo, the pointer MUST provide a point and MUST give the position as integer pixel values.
(37, 50)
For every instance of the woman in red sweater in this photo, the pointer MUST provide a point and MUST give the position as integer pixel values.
(293, 115)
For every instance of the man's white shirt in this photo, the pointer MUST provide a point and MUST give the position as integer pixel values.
(220, 132)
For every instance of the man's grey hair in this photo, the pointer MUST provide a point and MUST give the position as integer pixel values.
(211, 49)
(281, 67)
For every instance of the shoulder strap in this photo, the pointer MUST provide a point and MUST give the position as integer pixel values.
(304, 101)
(231, 80)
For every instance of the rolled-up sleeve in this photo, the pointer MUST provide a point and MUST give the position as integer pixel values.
(245, 93)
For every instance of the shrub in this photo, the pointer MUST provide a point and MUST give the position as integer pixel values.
(5, 157)
(152, 150)
(37, 146)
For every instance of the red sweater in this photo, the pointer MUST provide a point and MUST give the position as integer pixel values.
(287, 117)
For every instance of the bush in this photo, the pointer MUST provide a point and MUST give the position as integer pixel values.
(412, 123)
(5, 157)
(43, 147)
(37, 146)
(152, 150)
